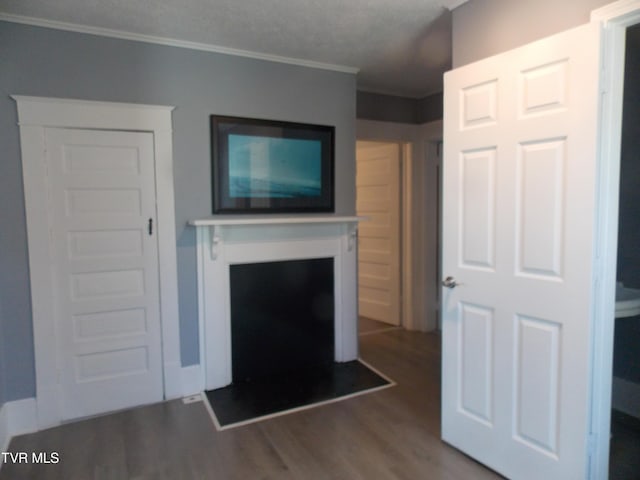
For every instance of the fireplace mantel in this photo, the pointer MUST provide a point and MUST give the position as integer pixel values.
(225, 240)
(227, 220)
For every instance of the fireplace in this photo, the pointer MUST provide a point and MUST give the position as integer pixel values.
(241, 260)
(281, 317)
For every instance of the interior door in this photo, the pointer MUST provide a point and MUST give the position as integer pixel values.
(102, 193)
(518, 226)
(378, 199)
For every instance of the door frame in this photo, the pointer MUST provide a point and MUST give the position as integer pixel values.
(35, 114)
(614, 20)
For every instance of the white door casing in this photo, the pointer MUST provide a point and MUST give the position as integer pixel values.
(378, 199)
(614, 19)
(35, 115)
(103, 210)
(518, 228)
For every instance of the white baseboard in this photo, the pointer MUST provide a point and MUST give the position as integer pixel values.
(192, 380)
(182, 381)
(16, 418)
(626, 396)
(20, 416)
(5, 436)
(172, 380)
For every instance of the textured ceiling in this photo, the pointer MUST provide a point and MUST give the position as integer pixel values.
(400, 47)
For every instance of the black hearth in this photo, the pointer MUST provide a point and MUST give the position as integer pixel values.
(282, 318)
(282, 341)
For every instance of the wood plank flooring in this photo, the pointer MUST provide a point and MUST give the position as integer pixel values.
(367, 326)
(390, 434)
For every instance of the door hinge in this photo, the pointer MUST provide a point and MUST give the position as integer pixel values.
(151, 226)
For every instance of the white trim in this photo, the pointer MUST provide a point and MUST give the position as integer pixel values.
(220, 246)
(22, 416)
(407, 231)
(626, 396)
(16, 418)
(616, 12)
(65, 112)
(5, 436)
(173, 42)
(35, 114)
(192, 380)
(271, 220)
(613, 19)
(220, 428)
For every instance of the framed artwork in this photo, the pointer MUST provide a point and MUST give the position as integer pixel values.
(268, 166)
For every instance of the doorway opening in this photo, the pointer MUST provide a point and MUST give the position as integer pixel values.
(419, 202)
(624, 456)
(379, 199)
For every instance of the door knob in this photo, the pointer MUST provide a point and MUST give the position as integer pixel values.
(449, 282)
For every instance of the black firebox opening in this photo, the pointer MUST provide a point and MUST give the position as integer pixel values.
(282, 318)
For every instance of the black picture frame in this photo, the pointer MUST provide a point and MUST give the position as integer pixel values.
(271, 166)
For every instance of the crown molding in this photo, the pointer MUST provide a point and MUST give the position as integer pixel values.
(620, 11)
(172, 42)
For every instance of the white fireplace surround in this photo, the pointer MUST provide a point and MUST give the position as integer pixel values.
(227, 240)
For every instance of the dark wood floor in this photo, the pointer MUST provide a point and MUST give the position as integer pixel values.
(367, 326)
(624, 460)
(390, 434)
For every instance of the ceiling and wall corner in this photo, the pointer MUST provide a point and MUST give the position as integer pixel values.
(389, 108)
(482, 28)
(399, 48)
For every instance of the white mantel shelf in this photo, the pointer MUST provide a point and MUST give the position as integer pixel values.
(223, 220)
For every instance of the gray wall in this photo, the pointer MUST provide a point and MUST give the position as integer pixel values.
(391, 108)
(626, 358)
(386, 108)
(3, 390)
(430, 108)
(44, 62)
(482, 28)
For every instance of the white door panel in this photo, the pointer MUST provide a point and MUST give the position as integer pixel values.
(378, 199)
(107, 299)
(519, 196)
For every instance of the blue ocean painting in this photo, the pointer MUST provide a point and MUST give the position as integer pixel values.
(274, 167)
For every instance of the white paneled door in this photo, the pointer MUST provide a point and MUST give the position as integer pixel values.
(107, 319)
(518, 228)
(378, 199)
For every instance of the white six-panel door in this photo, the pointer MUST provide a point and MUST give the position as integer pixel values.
(378, 199)
(518, 228)
(107, 319)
